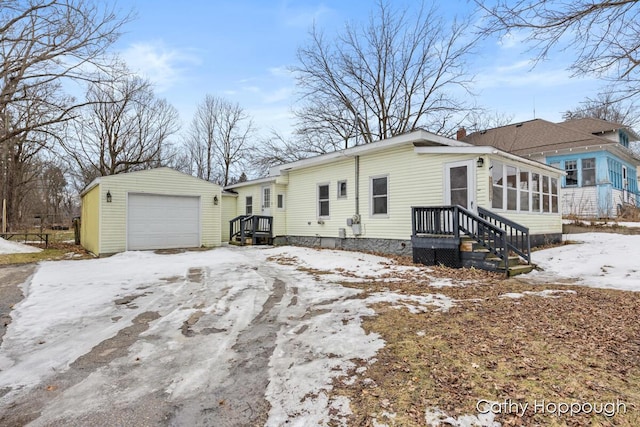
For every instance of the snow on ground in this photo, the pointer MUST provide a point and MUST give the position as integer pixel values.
(314, 332)
(8, 247)
(600, 223)
(602, 260)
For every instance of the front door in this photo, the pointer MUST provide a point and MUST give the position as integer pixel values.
(460, 184)
(266, 200)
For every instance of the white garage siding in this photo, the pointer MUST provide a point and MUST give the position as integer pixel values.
(156, 221)
(113, 231)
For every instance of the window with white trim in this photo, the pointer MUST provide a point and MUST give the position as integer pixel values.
(588, 171)
(535, 192)
(512, 188)
(380, 195)
(554, 195)
(248, 205)
(523, 184)
(571, 167)
(497, 181)
(342, 189)
(280, 201)
(546, 194)
(323, 200)
(516, 189)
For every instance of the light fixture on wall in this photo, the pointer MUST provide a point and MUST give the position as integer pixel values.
(109, 198)
(480, 162)
(215, 200)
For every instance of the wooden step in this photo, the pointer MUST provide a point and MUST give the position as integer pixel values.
(512, 261)
(520, 269)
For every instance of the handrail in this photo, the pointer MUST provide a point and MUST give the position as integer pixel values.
(452, 220)
(518, 237)
(244, 226)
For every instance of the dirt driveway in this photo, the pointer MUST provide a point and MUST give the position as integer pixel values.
(227, 337)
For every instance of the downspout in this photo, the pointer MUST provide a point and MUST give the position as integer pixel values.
(357, 189)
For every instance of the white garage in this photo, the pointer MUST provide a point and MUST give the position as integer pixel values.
(156, 221)
(151, 209)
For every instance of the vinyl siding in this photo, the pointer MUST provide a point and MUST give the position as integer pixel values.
(229, 211)
(302, 199)
(279, 215)
(113, 235)
(90, 223)
(414, 180)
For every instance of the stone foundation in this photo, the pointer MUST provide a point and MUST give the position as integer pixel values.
(382, 246)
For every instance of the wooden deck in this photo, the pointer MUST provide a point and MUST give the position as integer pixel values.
(456, 237)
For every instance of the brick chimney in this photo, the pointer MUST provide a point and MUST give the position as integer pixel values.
(461, 134)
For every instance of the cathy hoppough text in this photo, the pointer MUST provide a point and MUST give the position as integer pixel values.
(508, 406)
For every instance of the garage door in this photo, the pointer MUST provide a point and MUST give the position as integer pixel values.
(162, 222)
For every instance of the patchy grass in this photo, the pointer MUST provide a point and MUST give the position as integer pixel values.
(582, 347)
(55, 251)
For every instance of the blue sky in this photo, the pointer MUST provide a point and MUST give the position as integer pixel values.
(242, 49)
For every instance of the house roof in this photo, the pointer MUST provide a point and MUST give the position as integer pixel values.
(417, 138)
(598, 126)
(250, 182)
(541, 136)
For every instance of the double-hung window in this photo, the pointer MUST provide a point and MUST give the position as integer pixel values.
(380, 195)
(323, 200)
(248, 209)
(588, 172)
(571, 167)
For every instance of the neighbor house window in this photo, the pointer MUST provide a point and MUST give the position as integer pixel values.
(498, 185)
(571, 167)
(380, 195)
(588, 172)
(323, 200)
(248, 205)
(624, 138)
(280, 201)
(342, 189)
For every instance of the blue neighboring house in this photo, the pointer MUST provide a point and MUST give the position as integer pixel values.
(601, 169)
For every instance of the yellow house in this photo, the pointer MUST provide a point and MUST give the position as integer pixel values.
(151, 209)
(362, 197)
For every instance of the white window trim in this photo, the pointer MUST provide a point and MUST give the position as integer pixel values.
(338, 196)
(328, 199)
(283, 201)
(247, 205)
(371, 214)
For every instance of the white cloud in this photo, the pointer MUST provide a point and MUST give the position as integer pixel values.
(302, 17)
(282, 71)
(163, 65)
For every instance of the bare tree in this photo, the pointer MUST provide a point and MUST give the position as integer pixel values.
(606, 106)
(479, 119)
(399, 72)
(44, 43)
(124, 127)
(218, 140)
(604, 34)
